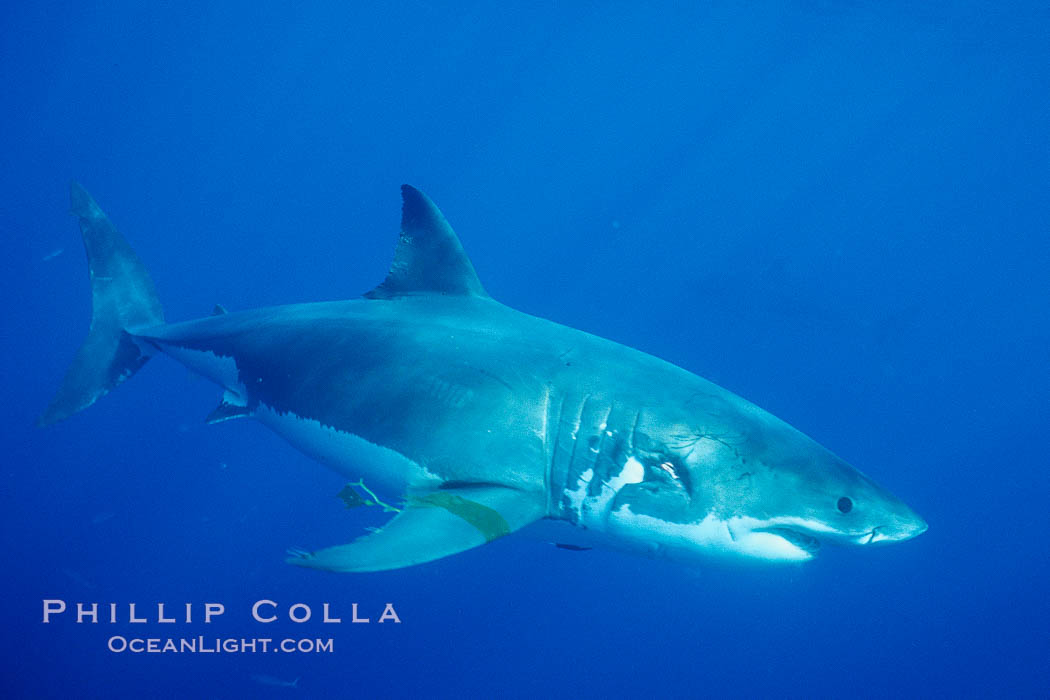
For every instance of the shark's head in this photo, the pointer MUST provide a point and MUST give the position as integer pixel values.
(747, 485)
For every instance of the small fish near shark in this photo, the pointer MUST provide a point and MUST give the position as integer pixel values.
(480, 420)
(263, 679)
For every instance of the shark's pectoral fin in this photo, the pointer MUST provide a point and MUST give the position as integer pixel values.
(431, 526)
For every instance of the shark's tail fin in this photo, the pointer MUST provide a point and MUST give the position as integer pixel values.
(122, 299)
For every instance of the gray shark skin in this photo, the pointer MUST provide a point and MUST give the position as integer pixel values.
(482, 419)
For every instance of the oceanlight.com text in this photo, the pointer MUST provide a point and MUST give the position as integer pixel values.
(218, 645)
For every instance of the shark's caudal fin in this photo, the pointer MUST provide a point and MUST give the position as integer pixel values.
(122, 298)
(429, 258)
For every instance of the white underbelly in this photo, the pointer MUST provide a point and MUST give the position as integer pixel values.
(349, 454)
(383, 469)
(221, 370)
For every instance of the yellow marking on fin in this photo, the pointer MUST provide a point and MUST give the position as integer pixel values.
(487, 521)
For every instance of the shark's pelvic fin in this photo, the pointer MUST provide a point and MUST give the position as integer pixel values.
(122, 298)
(429, 258)
(231, 406)
(431, 526)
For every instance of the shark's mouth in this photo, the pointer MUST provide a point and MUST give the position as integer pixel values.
(798, 539)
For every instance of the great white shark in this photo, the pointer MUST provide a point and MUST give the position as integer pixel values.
(481, 419)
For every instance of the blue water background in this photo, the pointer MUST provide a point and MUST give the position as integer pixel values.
(838, 210)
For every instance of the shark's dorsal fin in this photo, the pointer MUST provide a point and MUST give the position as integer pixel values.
(429, 258)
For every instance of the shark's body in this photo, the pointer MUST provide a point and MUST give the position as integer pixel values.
(485, 419)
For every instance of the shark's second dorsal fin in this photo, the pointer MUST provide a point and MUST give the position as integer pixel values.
(429, 258)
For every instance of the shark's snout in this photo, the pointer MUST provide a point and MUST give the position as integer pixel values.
(913, 528)
(900, 531)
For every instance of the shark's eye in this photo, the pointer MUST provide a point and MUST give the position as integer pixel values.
(845, 505)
